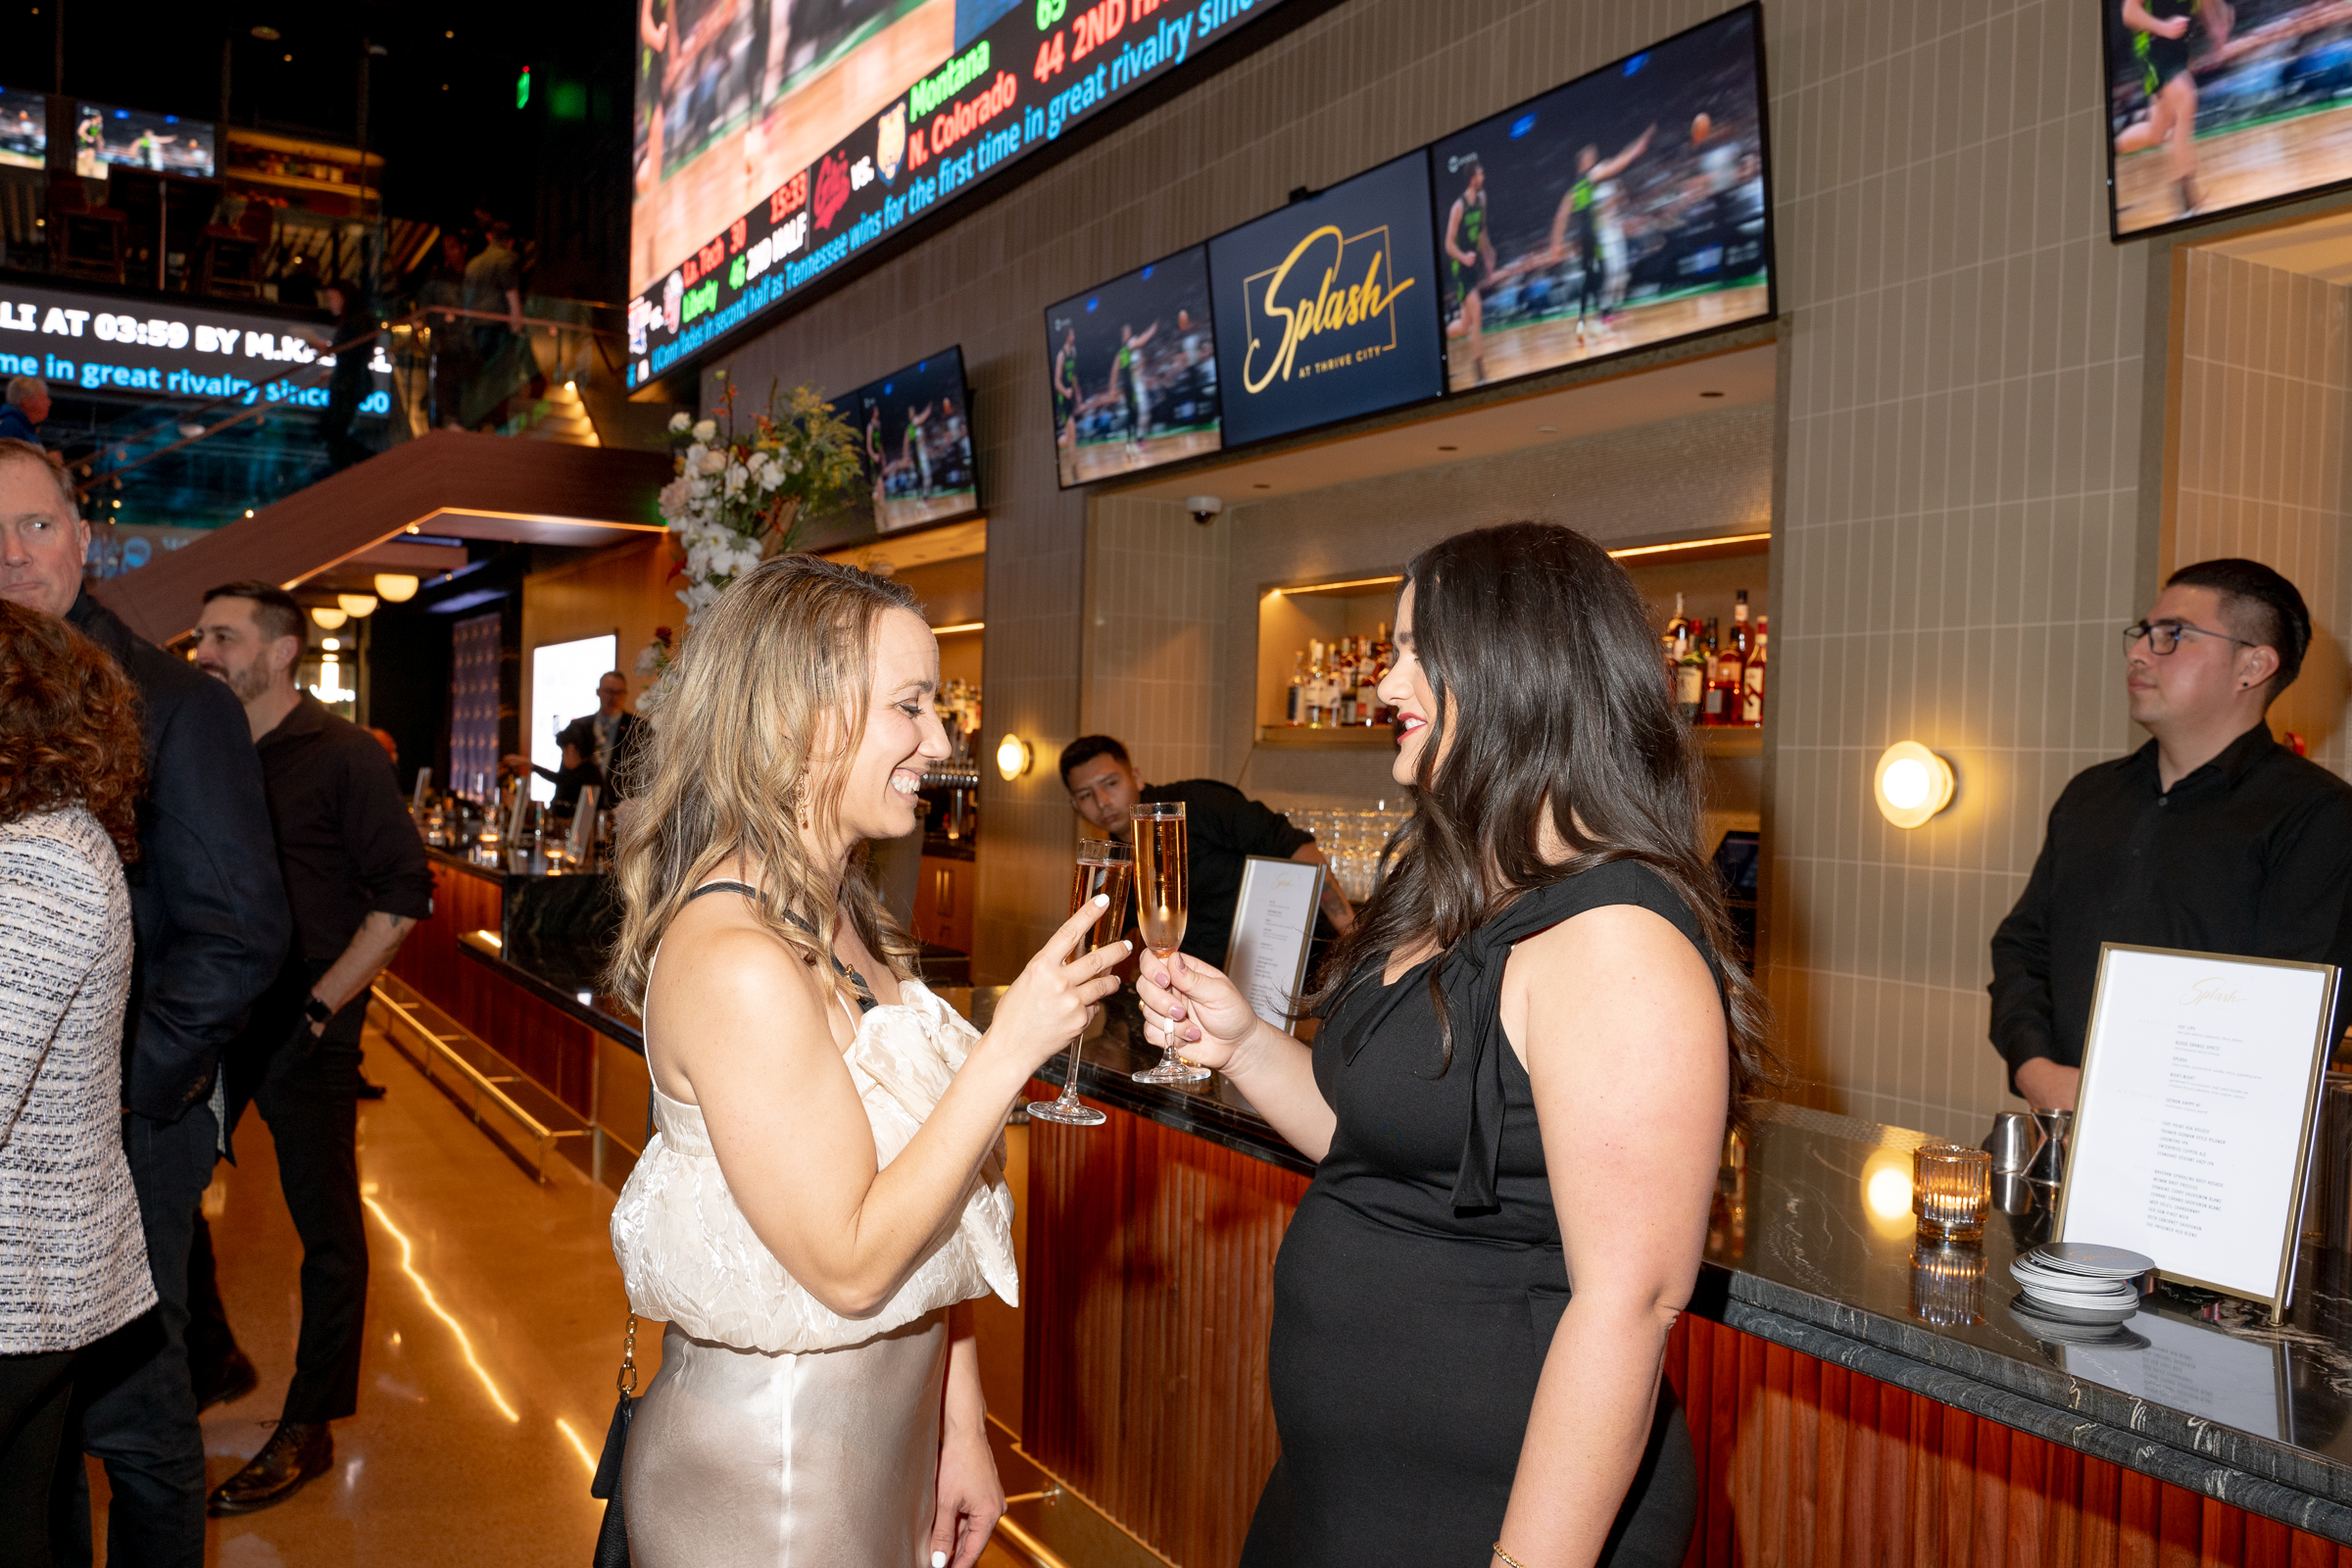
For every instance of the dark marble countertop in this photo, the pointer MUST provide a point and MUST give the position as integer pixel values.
(504, 865)
(2197, 1390)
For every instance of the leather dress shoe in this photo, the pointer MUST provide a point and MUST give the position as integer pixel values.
(229, 1381)
(370, 1089)
(296, 1452)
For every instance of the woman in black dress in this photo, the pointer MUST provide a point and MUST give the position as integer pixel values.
(1529, 1047)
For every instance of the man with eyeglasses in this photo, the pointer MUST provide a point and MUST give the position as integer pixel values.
(2212, 837)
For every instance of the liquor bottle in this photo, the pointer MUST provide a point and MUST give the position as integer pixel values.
(1367, 683)
(1689, 676)
(1752, 679)
(1314, 684)
(1740, 633)
(1724, 681)
(1674, 630)
(1294, 714)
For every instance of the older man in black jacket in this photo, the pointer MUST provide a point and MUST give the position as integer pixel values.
(210, 919)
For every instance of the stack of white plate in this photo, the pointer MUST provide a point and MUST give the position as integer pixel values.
(2083, 1281)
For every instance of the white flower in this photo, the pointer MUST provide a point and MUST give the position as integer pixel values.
(715, 461)
(706, 430)
(679, 421)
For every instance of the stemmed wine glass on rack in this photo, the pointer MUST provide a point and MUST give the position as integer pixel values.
(1104, 867)
(1162, 884)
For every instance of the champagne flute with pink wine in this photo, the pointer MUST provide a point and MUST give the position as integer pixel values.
(1162, 884)
(1104, 867)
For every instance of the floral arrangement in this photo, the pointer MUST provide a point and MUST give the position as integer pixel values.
(741, 495)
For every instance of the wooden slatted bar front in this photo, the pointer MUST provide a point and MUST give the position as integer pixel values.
(1149, 1302)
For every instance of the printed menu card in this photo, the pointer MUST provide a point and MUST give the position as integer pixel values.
(2200, 1075)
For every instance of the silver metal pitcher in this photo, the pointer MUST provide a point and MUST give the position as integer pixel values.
(2011, 1143)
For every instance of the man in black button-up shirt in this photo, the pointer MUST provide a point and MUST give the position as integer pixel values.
(2212, 838)
(356, 879)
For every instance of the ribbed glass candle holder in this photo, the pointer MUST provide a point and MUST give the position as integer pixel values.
(1951, 1187)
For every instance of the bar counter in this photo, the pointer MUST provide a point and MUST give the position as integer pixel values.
(1851, 1398)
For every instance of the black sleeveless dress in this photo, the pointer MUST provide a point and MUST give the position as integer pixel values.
(1419, 1285)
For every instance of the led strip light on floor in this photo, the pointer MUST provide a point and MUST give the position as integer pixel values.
(408, 1266)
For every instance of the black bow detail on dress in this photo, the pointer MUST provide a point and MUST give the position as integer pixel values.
(1474, 1006)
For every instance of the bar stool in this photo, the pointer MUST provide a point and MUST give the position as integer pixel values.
(229, 259)
(85, 241)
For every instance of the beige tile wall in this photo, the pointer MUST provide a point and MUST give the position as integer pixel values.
(1156, 647)
(1961, 529)
(1365, 81)
(2264, 373)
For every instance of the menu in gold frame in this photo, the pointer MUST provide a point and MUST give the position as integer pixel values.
(2200, 1078)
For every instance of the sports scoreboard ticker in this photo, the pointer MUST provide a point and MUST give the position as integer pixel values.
(1041, 69)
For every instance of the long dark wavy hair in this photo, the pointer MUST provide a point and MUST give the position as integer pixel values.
(1552, 701)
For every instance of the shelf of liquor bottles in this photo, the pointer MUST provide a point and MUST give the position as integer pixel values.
(1324, 646)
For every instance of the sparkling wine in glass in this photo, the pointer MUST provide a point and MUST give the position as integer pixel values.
(1163, 883)
(1104, 867)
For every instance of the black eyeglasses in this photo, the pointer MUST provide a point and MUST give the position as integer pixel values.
(2165, 635)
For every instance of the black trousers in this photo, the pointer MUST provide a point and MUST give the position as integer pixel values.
(134, 1405)
(35, 1390)
(308, 1092)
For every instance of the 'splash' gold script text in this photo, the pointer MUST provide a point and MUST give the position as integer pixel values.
(1328, 311)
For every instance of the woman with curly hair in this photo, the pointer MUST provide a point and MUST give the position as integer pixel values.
(73, 1261)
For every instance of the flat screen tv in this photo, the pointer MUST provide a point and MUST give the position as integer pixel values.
(1135, 372)
(24, 129)
(2216, 106)
(1629, 208)
(915, 429)
(107, 138)
(1328, 309)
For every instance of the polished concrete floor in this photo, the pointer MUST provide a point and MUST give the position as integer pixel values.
(494, 1327)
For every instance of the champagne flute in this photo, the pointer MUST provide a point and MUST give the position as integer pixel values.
(1103, 867)
(1162, 884)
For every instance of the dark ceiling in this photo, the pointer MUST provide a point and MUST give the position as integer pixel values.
(443, 110)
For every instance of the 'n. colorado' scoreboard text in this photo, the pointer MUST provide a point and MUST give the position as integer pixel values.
(1043, 68)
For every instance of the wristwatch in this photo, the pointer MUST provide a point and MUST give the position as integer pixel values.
(318, 1012)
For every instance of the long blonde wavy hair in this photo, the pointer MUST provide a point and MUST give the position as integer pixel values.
(763, 711)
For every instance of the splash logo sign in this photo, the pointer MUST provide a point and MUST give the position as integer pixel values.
(1310, 303)
(1325, 309)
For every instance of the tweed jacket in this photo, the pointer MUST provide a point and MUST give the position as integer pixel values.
(72, 1258)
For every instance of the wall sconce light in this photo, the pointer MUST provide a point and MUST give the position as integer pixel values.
(1012, 757)
(1911, 783)
(357, 606)
(396, 587)
(327, 619)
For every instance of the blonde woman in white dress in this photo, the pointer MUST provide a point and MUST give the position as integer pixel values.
(824, 1189)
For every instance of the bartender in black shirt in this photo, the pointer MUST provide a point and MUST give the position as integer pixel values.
(2212, 838)
(356, 879)
(1223, 828)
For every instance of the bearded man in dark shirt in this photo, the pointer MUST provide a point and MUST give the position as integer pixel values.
(2211, 838)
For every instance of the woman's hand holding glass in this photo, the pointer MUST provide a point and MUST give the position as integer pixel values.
(1056, 996)
(1196, 1008)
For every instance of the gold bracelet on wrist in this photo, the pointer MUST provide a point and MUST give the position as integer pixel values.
(1509, 1560)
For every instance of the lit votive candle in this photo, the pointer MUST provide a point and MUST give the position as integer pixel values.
(1951, 1187)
